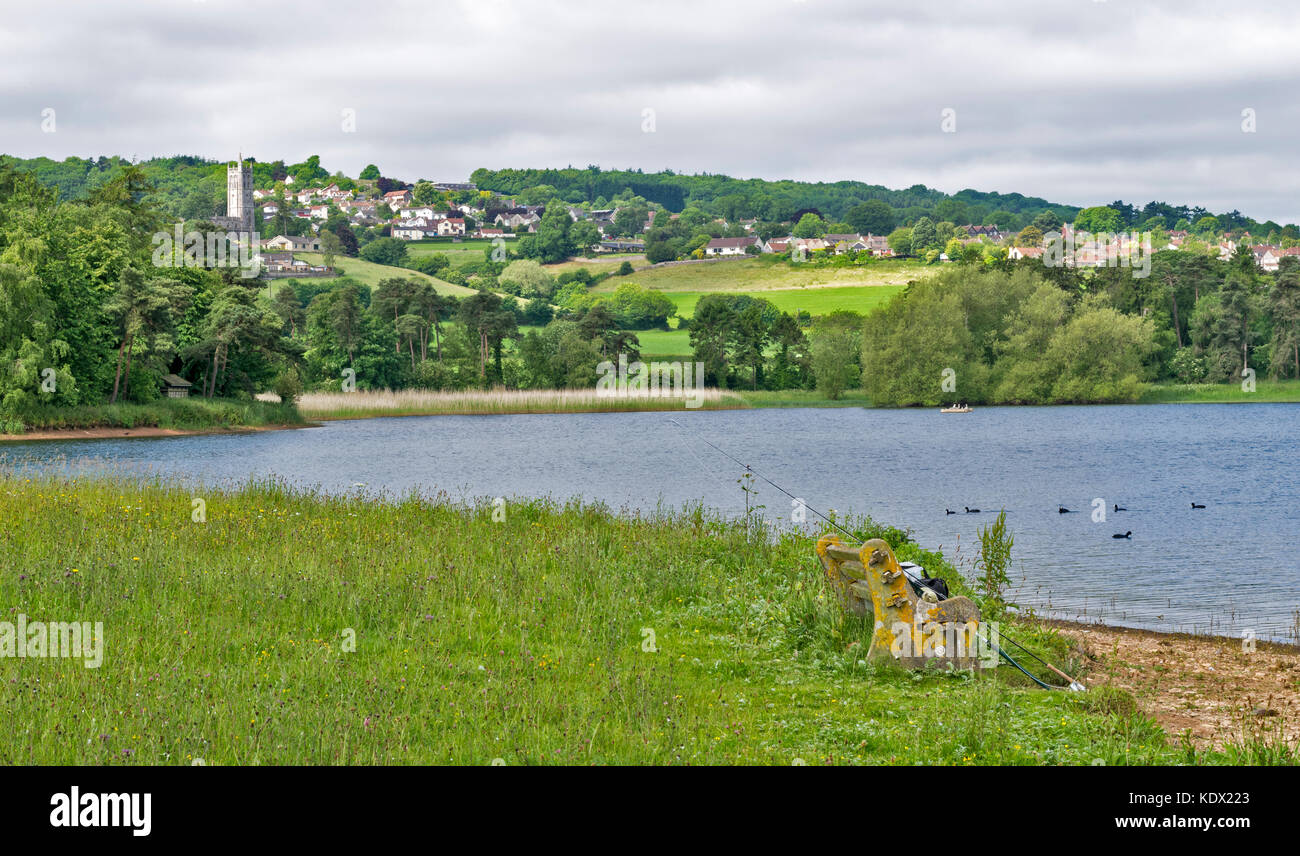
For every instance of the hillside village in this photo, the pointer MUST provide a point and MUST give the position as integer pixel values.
(433, 211)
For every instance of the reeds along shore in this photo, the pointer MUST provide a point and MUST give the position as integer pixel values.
(354, 405)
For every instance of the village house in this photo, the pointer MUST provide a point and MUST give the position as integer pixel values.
(732, 246)
(293, 243)
(453, 226)
(397, 199)
(990, 232)
(1017, 253)
(1266, 257)
(879, 245)
(318, 212)
(514, 221)
(412, 232)
(425, 211)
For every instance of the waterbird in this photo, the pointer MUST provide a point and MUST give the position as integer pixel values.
(949, 511)
(970, 510)
(1125, 535)
(1062, 511)
(1194, 505)
(1118, 508)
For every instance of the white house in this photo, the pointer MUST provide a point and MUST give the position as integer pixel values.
(293, 243)
(731, 246)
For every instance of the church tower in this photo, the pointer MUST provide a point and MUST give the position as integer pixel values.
(239, 195)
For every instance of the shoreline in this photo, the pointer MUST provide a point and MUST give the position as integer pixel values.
(140, 432)
(1206, 690)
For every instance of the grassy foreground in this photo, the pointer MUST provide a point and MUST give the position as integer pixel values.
(188, 414)
(527, 632)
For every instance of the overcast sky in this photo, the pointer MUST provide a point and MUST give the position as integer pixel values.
(1080, 102)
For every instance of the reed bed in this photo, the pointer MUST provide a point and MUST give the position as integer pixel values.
(423, 402)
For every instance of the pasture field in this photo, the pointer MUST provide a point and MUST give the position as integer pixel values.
(288, 627)
(750, 275)
(371, 273)
(817, 301)
(459, 254)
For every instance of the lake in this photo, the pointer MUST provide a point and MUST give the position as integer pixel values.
(1230, 568)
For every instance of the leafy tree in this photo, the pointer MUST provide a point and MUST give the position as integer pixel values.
(143, 312)
(874, 217)
(1030, 236)
(1284, 306)
(385, 251)
(833, 360)
(527, 278)
(289, 308)
(1098, 219)
(709, 333)
(900, 241)
(551, 243)
(809, 226)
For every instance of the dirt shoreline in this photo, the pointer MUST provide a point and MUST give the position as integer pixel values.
(116, 433)
(1212, 689)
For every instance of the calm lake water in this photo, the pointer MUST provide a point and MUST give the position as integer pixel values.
(1225, 569)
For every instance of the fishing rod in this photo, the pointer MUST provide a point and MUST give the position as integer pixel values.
(1074, 684)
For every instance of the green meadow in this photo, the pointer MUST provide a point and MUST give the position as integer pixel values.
(268, 626)
(458, 253)
(371, 273)
(764, 274)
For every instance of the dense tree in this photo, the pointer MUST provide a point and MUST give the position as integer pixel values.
(874, 217)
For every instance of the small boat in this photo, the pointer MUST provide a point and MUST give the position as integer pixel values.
(963, 408)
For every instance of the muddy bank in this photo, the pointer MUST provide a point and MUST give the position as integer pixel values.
(1214, 689)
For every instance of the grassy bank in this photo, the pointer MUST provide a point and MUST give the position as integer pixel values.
(420, 402)
(185, 414)
(1276, 391)
(370, 274)
(528, 632)
(802, 398)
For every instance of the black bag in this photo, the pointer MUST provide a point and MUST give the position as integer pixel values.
(935, 584)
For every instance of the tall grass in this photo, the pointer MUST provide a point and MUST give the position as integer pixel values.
(179, 413)
(1275, 391)
(414, 402)
(526, 631)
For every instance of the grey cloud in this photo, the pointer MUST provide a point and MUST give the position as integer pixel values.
(1077, 102)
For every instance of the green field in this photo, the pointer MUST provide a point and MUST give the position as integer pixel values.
(290, 628)
(817, 301)
(749, 275)
(370, 273)
(459, 254)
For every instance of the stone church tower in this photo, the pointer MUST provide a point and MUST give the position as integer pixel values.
(239, 196)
